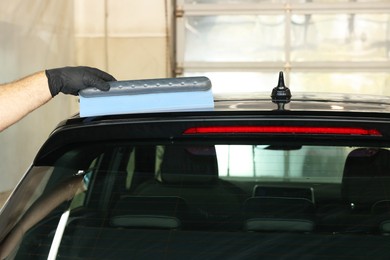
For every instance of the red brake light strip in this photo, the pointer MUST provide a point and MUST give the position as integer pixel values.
(283, 130)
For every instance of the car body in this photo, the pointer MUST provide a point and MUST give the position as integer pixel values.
(256, 178)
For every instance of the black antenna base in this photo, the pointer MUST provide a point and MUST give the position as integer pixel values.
(281, 94)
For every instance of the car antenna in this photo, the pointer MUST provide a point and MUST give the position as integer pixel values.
(281, 94)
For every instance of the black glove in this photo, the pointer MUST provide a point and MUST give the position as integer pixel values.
(70, 80)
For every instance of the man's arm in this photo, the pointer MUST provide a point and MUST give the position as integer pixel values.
(21, 97)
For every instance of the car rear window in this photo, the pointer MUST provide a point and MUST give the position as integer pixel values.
(202, 200)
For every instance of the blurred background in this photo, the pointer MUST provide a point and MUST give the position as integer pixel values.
(241, 45)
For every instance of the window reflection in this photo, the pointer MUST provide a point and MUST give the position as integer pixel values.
(234, 38)
(341, 37)
(342, 48)
(289, 163)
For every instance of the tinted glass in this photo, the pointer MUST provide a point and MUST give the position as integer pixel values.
(210, 200)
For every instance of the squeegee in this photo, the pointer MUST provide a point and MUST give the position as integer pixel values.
(148, 96)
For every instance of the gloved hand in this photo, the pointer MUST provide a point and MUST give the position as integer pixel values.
(70, 80)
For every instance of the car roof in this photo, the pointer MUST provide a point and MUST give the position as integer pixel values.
(332, 102)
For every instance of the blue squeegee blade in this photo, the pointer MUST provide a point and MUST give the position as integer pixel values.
(146, 103)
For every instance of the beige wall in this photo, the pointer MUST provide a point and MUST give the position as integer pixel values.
(124, 37)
